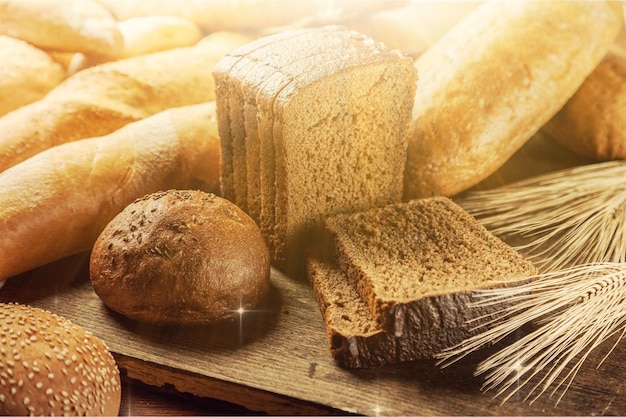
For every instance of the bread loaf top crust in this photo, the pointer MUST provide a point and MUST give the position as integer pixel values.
(180, 257)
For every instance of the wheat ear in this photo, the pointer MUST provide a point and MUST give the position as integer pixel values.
(568, 217)
(576, 309)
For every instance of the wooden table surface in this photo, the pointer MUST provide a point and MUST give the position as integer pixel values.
(276, 361)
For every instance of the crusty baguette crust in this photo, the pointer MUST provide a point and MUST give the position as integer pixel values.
(101, 99)
(56, 203)
(64, 25)
(252, 15)
(144, 35)
(593, 122)
(494, 80)
(414, 27)
(26, 73)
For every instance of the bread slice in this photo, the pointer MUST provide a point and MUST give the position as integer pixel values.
(233, 74)
(415, 263)
(258, 121)
(355, 340)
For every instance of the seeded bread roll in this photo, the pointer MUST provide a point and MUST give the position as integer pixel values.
(180, 257)
(49, 366)
(493, 80)
(415, 263)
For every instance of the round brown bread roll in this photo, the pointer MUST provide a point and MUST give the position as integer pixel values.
(49, 366)
(180, 257)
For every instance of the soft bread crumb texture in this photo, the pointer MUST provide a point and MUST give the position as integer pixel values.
(49, 366)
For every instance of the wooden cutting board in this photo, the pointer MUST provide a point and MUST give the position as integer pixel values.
(276, 360)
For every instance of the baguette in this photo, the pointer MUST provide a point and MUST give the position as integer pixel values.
(251, 15)
(56, 203)
(593, 122)
(101, 99)
(494, 80)
(26, 73)
(147, 34)
(414, 27)
(64, 25)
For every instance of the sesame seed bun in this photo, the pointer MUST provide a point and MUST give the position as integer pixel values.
(49, 366)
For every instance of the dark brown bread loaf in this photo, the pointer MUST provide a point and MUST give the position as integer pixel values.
(415, 263)
(180, 257)
(330, 120)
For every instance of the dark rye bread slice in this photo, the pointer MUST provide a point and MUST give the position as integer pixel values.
(339, 131)
(241, 72)
(415, 263)
(355, 340)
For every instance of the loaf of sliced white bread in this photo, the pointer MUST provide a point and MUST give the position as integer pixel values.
(402, 285)
(313, 122)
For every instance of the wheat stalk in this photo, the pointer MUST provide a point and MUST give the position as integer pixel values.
(576, 309)
(573, 227)
(568, 217)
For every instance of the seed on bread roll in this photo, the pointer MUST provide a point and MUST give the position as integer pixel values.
(180, 257)
(49, 366)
